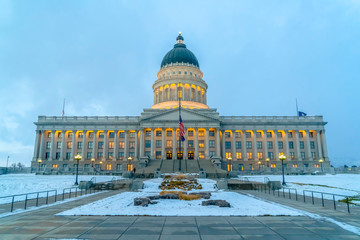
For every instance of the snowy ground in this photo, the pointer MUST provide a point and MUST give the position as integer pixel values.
(342, 184)
(123, 204)
(11, 184)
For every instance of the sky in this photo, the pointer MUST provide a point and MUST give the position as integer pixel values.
(257, 57)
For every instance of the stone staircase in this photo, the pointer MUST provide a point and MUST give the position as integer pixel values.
(192, 166)
(167, 166)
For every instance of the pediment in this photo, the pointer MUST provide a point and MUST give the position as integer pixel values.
(186, 115)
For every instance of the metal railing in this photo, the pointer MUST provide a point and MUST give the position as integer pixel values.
(322, 198)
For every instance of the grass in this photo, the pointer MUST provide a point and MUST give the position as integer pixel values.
(181, 182)
(351, 199)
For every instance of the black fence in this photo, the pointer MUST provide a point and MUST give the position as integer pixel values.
(308, 196)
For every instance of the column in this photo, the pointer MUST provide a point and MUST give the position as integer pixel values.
(255, 157)
(196, 94)
(36, 150)
(141, 153)
(244, 155)
(233, 145)
(105, 144)
(266, 153)
(41, 154)
(196, 144)
(320, 155)
(174, 144)
(152, 154)
(297, 147)
(163, 155)
(94, 145)
(276, 145)
(223, 145)
(218, 143)
(323, 138)
(308, 147)
(126, 145)
(72, 155)
(83, 145)
(116, 145)
(207, 143)
(286, 144)
(136, 144)
(51, 157)
(185, 154)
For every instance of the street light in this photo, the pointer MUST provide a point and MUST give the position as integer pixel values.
(39, 161)
(100, 165)
(259, 162)
(129, 165)
(77, 157)
(321, 161)
(282, 157)
(267, 161)
(92, 162)
(229, 164)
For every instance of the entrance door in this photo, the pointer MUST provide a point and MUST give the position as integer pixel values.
(180, 155)
(191, 155)
(169, 155)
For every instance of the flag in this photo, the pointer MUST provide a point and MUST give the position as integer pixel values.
(182, 129)
(63, 111)
(301, 114)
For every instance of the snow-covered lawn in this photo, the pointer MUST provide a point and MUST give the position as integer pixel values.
(11, 184)
(123, 204)
(342, 184)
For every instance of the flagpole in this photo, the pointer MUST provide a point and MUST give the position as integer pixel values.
(63, 111)
(179, 130)
(297, 109)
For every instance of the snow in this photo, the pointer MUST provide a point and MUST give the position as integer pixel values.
(123, 204)
(342, 184)
(12, 184)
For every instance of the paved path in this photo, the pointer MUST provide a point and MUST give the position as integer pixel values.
(43, 224)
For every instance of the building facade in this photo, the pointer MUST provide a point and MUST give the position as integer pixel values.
(149, 142)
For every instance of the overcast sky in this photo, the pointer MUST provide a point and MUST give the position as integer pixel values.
(103, 56)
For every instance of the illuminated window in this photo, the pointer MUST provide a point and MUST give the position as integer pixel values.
(110, 155)
(229, 167)
(190, 143)
(111, 145)
(90, 145)
(55, 166)
(281, 145)
(312, 145)
(228, 155)
(158, 154)
(291, 145)
(79, 145)
(238, 155)
(248, 145)
(227, 134)
(302, 145)
(295, 165)
(131, 145)
(270, 144)
(238, 145)
(48, 145)
(211, 133)
(121, 144)
(316, 165)
(292, 155)
(158, 143)
(249, 155)
(168, 143)
(259, 145)
(260, 155)
(100, 145)
(101, 135)
(69, 145)
(201, 133)
(227, 145)
(108, 166)
(211, 143)
(273, 165)
(169, 133)
(241, 167)
(201, 155)
(251, 167)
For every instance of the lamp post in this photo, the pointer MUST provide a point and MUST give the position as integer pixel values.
(229, 164)
(321, 161)
(92, 162)
(282, 157)
(267, 161)
(100, 165)
(259, 162)
(129, 161)
(39, 161)
(77, 158)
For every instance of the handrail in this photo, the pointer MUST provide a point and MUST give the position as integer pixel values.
(93, 179)
(266, 180)
(322, 198)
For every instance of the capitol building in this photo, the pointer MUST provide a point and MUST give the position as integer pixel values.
(214, 144)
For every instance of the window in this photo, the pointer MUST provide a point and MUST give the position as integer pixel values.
(301, 134)
(270, 145)
(201, 133)
(238, 145)
(55, 166)
(132, 134)
(316, 165)
(108, 167)
(86, 165)
(132, 154)
(70, 134)
(147, 153)
(273, 165)
(65, 166)
(168, 143)
(69, 145)
(302, 155)
(279, 134)
(147, 133)
(290, 134)
(185, 73)
(312, 145)
(147, 143)
(169, 133)
(294, 165)
(258, 134)
(91, 134)
(90, 145)
(292, 155)
(111, 145)
(57, 156)
(271, 155)
(79, 145)
(100, 154)
(67, 156)
(211, 133)
(201, 155)
(301, 145)
(291, 145)
(260, 155)
(201, 143)
(190, 73)
(248, 135)
(237, 134)
(49, 134)
(122, 135)
(227, 145)
(110, 155)
(59, 135)
(211, 153)
(158, 154)
(281, 145)
(249, 155)
(190, 133)
(121, 145)
(111, 135)
(48, 145)
(241, 167)
(311, 134)
(238, 155)
(190, 143)
(269, 134)
(131, 145)
(158, 143)
(227, 134)
(101, 135)
(89, 155)
(158, 133)
(313, 155)
(179, 72)
(121, 155)
(80, 135)
(211, 143)
(100, 145)
(58, 145)
(228, 155)
(248, 145)
(259, 145)
(119, 167)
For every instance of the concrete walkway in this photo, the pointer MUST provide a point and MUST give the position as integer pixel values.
(43, 224)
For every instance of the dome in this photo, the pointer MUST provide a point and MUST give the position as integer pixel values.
(180, 54)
